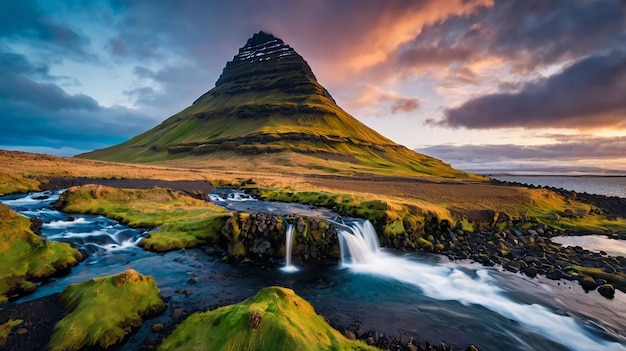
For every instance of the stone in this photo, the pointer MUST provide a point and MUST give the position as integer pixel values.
(607, 290)
(350, 335)
(411, 347)
(157, 327)
(255, 320)
(588, 283)
(555, 274)
(531, 271)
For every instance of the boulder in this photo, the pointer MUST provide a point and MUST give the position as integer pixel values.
(531, 271)
(607, 290)
(588, 283)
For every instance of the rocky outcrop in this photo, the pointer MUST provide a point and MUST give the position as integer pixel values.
(260, 237)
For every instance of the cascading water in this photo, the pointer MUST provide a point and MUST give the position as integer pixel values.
(288, 243)
(358, 243)
(360, 253)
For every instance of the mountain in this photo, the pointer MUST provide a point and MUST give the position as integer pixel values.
(268, 112)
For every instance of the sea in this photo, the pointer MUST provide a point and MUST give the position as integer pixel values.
(600, 185)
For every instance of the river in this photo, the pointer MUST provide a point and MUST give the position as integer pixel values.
(410, 295)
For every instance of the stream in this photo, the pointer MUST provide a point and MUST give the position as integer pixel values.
(401, 294)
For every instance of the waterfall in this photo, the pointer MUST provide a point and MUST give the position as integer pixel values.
(288, 243)
(358, 243)
(360, 253)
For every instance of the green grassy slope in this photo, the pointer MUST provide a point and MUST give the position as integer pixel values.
(26, 257)
(285, 322)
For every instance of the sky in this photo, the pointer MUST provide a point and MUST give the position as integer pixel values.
(488, 86)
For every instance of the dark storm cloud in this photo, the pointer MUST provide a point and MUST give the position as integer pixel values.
(588, 94)
(34, 111)
(19, 76)
(26, 21)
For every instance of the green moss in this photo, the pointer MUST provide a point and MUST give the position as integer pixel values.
(394, 228)
(287, 322)
(5, 329)
(26, 256)
(102, 311)
(424, 244)
(182, 221)
(617, 279)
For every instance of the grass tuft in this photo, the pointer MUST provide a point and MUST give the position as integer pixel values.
(102, 311)
(274, 319)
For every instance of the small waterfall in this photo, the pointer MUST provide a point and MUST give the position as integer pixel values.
(288, 243)
(358, 243)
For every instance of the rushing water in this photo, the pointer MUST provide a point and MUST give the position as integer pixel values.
(607, 186)
(418, 295)
(448, 283)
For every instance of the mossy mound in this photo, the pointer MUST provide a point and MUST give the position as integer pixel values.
(27, 257)
(182, 221)
(102, 311)
(274, 319)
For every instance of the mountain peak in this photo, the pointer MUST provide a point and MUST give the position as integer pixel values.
(261, 38)
(260, 62)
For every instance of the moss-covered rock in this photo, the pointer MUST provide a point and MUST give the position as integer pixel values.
(274, 319)
(102, 311)
(26, 257)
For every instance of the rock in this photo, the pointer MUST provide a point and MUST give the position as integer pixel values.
(370, 341)
(531, 271)
(22, 331)
(255, 320)
(157, 327)
(350, 335)
(192, 281)
(607, 290)
(471, 348)
(588, 283)
(411, 347)
(555, 274)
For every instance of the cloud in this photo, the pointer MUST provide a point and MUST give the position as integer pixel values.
(18, 86)
(26, 21)
(569, 153)
(35, 112)
(381, 101)
(588, 94)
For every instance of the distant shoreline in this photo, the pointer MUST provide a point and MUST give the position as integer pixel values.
(555, 175)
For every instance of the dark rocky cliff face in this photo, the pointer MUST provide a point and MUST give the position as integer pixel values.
(266, 63)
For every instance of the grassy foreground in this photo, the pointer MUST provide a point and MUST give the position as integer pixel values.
(102, 311)
(181, 220)
(26, 257)
(274, 319)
